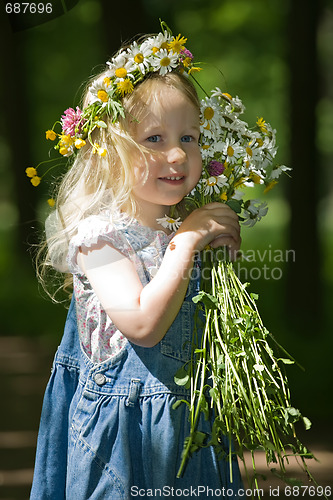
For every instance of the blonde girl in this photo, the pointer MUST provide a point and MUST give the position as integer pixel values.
(108, 427)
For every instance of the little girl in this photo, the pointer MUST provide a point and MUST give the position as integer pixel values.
(108, 428)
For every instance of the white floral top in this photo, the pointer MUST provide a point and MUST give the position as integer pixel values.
(99, 337)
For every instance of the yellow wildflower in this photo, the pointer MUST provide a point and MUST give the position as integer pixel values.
(255, 178)
(125, 87)
(240, 181)
(51, 202)
(224, 196)
(100, 151)
(31, 171)
(79, 143)
(228, 96)
(51, 135)
(35, 180)
(177, 44)
(270, 186)
(187, 61)
(194, 69)
(262, 125)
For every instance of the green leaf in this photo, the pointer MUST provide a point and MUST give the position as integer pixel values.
(199, 438)
(180, 402)
(236, 321)
(287, 361)
(208, 300)
(236, 205)
(181, 377)
(307, 423)
(291, 415)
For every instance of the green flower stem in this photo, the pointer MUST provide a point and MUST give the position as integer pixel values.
(248, 390)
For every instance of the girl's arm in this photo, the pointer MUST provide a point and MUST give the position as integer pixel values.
(144, 314)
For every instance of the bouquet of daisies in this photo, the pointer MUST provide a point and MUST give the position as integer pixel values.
(234, 371)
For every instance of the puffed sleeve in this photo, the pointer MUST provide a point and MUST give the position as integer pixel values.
(90, 232)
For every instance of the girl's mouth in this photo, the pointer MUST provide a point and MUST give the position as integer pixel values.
(173, 179)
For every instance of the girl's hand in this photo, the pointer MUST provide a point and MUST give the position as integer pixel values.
(214, 224)
(144, 313)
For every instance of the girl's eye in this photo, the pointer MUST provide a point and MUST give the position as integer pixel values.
(187, 138)
(154, 138)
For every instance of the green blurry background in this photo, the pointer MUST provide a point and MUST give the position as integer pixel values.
(277, 55)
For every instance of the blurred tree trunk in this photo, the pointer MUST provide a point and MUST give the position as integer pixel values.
(13, 123)
(304, 301)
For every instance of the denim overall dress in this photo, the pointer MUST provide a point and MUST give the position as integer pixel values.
(108, 430)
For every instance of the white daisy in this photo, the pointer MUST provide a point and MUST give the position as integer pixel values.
(233, 150)
(99, 91)
(170, 222)
(140, 56)
(121, 67)
(165, 61)
(159, 42)
(254, 212)
(277, 171)
(210, 115)
(214, 184)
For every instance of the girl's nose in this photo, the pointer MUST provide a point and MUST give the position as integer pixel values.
(176, 155)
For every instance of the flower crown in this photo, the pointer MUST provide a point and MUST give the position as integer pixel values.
(234, 154)
(156, 54)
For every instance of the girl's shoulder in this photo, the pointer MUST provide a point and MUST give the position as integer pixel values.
(98, 228)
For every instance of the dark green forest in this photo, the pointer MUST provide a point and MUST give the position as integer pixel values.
(277, 56)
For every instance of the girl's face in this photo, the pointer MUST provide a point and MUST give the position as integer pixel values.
(171, 129)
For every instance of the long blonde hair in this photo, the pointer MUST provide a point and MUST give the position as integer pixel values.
(95, 183)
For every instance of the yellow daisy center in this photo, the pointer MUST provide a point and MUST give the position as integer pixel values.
(165, 45)
(212, 181)
(139, 58)
(249, 151)
(230, 151)
(107, 81)
(165, 61)
(102, 95)
(209, 113)
(121, 73)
